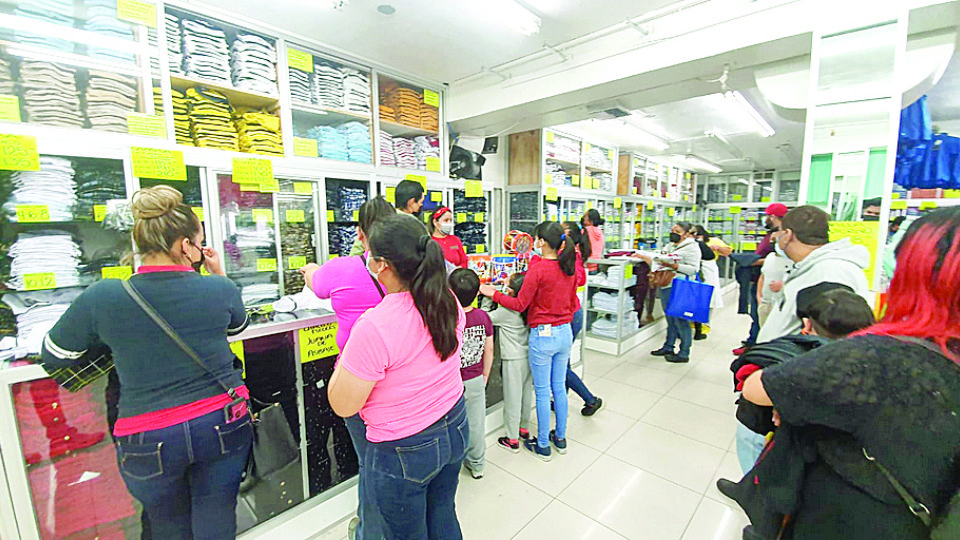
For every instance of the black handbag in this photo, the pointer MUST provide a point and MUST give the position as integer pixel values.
(273, 480)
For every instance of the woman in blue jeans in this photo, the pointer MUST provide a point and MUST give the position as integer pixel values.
(548, 293)
(681, 255)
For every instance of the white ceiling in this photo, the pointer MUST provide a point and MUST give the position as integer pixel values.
(944, 99)
(440, 40)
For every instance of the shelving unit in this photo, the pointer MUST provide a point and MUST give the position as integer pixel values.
(611, 324)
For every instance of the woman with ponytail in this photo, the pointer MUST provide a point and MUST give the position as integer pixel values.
(548, 294)
(400, 369)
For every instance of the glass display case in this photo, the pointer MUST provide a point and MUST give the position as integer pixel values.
(344, 198)
(250, 229)
(788, 190)
(763, 188)
(299, 225)
(409, 122)
(561, 159)
(524, 210)
(473, 221)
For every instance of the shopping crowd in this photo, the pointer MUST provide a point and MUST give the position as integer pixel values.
(848, 428)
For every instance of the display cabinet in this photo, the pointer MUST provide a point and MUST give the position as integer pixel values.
(611, 323)
(474, 219)
(409, 124)
(343, 200)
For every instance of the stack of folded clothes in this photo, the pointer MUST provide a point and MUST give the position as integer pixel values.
(331, 142)
(300, 86)
(98, 181)
(109, 97)
(430, 118)
(259, 132)
(387, 156)
(59, 12)
(181, 118)
(356, 91)
(342, 238)
(405, 102)
(328, 85)
(53, 186)
(7, 83)
(50, 94)
(102, 19)
(43, 252)
(404, 153)
(210, 119)
(388, 113)
(425, 147)
(606, 301)
(252, 61)
(357, 136)
(205, 51)
(174, 43)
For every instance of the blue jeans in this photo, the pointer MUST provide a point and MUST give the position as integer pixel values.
(414, 480)
(370, 527)
(749, 447)
(573, 381)
(676, 328)
(187, 476)
(754, 316)
(549, 362)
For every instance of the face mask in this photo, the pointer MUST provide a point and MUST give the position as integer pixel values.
(376, 275)
(780, 251)
(770, 226)
(537, 251)
(675, 237)
(446, 228)
(871, 218)
(199, 264)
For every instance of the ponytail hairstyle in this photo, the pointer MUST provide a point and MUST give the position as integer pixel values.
(161, 220)
(552, 233)
(579, 239)
(418, 262)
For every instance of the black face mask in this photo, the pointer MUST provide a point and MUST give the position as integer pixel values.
(871, 218)
(199, 264)
(770, 226)
(675, 237)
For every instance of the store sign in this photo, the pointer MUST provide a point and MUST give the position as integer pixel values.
(19, 153)
(297, 262)
(158, 164)
(318, 342)
(116, 272)
(862, 233)
(296, 216)
(137, 12)
(9, 108)
(300, 60)
(38, 282)
(33, 213)
(147, 125)
(253, 171)
(431, 98)
(305, 147)
(433, 164)
(474, 188)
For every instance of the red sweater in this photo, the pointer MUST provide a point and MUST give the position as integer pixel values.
(580, 274)
(453, 250)
(547, 292)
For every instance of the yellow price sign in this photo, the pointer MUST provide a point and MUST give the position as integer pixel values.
(137, 12)
(19, 153)
(305, 147)
(587, 147)
(898, 205)
(650, 205)
(236, 347)
(928, 205)
(436, 196)
(272, 186)
(617, 202)
(356, 215)
(433, 164)
(609, 154)
(479, 217)
(303, 188)
(330, 216)
(9, 108)
(391, 195)
(551, 194)
(38, 282)
(300, 60)
(764, 199)
(548, 179)
(480, 248)
(100, 212)
(473, 188)
(633, 190)
(297, 262)
(198, 211)
(461, 217)
(735, 209)
(266, 265)
(318, 342)
(737, 198)
(951, 194)
(575, 179)
(262, 215)
(628, 271)
(252, 171)
(863, 233)
(296, 216)
(550, 136)
(116, 272)
(147, 125)
(418, 178)
(431, 98)
(671, 212)
(33, 213)
(249, 187)
(158, 164)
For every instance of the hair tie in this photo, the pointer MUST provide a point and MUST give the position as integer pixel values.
(440, 212)
(563, 237)
(424, 242)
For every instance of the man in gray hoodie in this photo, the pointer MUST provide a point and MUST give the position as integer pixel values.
(804, 238)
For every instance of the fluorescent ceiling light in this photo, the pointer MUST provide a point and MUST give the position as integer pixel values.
(635, 135)
(701, 164)
(515, 16)
(736, 99)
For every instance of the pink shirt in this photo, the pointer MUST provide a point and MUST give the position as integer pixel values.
(597, 244)
(351, 290)
(390, 345)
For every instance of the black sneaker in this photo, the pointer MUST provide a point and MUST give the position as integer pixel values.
(507, 444)
(726, 487)
(674, 359)
(559, 444)
(588, 410)
(661, 352)
(699, 337)
(543, 453)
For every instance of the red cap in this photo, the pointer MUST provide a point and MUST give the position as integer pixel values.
(777, 209)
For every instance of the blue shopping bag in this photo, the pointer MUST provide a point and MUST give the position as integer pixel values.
(690, 300)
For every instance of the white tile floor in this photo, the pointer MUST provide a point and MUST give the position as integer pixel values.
(642, 468)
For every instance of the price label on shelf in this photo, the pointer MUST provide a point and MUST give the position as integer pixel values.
(9, 108)
(296, 216)
(433, 164)
(671, 212)
(737, 197)
(158, 164)
(116, 272)
(436, 196)
(266, 265)
(650, 205)
(589, 205)
(551, 194)
(262, 215)
(19, 153)
(33, 213)
(38, 282)
(587, 147)
(318, 342)
(575, 179)
(609, 154)
(297, 262)
(633, 190)
(735, 209)
(147, 125)
(898, 205)
(249, 187)
(252, 171)
(479, 217)
(628, 271)
(330, 216)
(198, 211)
(617, 202)
(951, 194)
(548, 179)
(431, 98)
(300, 60)
(686, 198)
(356, 215)
(137, 12)
(461, 217)
(100, 212)
(473, 188)
(764, 199)
(480, 248)
(928, 205)
(418, 178)
(749, 246)
(303, 188)
(305, 147)
(269, 187)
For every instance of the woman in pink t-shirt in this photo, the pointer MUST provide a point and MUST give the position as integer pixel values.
(592, 222)
(400, 370)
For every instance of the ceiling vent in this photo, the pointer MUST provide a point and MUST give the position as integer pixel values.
(609, 113)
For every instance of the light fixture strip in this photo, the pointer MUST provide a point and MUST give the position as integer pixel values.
(762, 126)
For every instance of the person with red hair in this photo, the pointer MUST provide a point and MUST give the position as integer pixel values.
(885, 399)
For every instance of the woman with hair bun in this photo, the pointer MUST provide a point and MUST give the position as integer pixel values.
(400, 370)
(182, 441)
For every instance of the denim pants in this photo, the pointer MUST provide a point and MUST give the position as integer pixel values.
(749, 447)
(414, 480)
(370, 527)
(549, 362)
(754, 316)
(187, 476)
(475, 394)
(573, 381)
(517, 395)
(676, 328)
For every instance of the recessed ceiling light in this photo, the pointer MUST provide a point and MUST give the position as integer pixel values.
(386, 9)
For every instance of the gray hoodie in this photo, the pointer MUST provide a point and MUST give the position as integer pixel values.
(514, 333)
(837, 262)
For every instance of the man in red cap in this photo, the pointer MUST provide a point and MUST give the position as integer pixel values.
(773, 220)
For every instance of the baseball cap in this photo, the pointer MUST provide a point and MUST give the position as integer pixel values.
(777, 209)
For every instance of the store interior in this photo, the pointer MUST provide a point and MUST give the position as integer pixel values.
(278, 124)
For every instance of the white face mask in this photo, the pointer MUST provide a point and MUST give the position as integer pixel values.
(537, 250)
(376, 275)
(446, 227)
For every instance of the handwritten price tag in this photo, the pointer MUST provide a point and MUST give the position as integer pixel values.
(617, 202)
(263, 215)
(19, 153)
(296, 263)
(433, 164)
(37, 282)
(158, 164)
(431, 98)
(305, 147)
(198, 211)
(303, 188)
(33, 213)
(330, 216)
(99, 212)
(480, 248)
(436, 196)
(296, 216)
(116, 272)
(479, 217)
(318, 342)
(252, 171)
(266, 265)
(473, 188)
(137, 12)
(300, 60)
(9, 108)
(461, 217)
(148, 125)
(551, 194)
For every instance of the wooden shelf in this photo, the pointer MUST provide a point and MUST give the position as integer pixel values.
(333, 115)
(401, 130)
(238, 98)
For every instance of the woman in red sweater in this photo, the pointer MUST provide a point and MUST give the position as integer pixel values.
(441, 228)
(547, 295)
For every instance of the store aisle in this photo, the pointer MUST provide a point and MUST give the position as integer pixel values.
(642, 468)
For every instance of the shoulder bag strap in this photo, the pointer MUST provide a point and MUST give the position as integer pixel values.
(152, 313)
(916, 507)
(363, 257)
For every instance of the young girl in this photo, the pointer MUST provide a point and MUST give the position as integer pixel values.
(591, 224)
(548, 292)
(517, 382)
